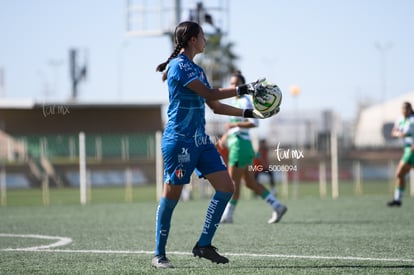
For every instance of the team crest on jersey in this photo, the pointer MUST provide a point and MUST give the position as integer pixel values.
(184, 156)
(180, 173)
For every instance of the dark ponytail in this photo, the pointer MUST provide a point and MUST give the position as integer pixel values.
(162, 66)
(183, 33)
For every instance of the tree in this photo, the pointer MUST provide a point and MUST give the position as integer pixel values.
(218, 59)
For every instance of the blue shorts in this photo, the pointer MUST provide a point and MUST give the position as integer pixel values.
(181, 158)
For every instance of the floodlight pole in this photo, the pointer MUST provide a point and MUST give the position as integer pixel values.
(77, 73)
(383, 49)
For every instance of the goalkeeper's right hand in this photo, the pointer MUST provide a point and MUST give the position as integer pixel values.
(250, 88)
(252, 113)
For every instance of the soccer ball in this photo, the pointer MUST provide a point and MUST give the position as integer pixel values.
(268, 98)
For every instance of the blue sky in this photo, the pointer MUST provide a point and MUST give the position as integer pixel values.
(326, 47)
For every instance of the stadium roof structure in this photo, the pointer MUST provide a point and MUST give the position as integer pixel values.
(30, 104)
(23, 117)
(374, 123)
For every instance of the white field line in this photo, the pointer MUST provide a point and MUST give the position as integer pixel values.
(61, 241)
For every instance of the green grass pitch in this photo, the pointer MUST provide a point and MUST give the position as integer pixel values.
(348, 235)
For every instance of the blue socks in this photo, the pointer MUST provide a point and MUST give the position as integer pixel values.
(163, 223)
(166, 208)
(214, 212)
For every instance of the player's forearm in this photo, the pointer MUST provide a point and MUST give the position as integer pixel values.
(224, 109)
(211, 94)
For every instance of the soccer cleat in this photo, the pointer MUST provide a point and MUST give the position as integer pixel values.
(278, 214)
(394, 203)
(161, 261)
(209, 252)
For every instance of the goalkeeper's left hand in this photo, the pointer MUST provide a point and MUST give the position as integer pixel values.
(252, 113)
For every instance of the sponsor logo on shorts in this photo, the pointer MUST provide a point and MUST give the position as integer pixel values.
(184, 156)
(180, 173)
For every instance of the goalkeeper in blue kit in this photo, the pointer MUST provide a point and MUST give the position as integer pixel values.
(185, 145)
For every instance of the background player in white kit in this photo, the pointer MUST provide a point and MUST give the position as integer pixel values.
(241, 155)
